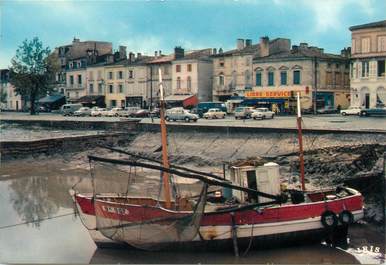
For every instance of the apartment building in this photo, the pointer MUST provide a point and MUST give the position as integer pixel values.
(9, 99)
(192, 75)
(321, 78)
(368, 55)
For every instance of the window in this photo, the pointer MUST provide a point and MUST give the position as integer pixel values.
(166, 70)
(283, 78)
(91, 88)
(100, 88)
(113, 103)
(352, 70)
(71, 79)
(271, 77)
(328, 78)
(110, 75)
(178, 68)
(178, 83)
(338, 79)
(381, 68)
(189, 83)
(337, 66)
(120, 74)
(365, 69)
(99, 74)
(221, 63)
(382, 43)
(258, 79)
(79, 79)
(365, 45)
(131, 74)
(247, 79)
(328, 65)
(353, 46)
(346, 79)
(111, 89)
(297, 77)
(120, 87)
(189, 67)
(221, 80)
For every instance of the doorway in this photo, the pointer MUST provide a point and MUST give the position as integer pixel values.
(367, 100)
(251, 179)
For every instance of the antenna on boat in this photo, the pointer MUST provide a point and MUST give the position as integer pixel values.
(300, 139)
(165, 159)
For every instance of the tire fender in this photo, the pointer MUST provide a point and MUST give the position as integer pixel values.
(329, 220)
(346, 217)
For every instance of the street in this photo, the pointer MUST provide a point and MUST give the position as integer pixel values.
(326, 121)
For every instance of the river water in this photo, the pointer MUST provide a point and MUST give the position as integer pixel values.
(36, 192)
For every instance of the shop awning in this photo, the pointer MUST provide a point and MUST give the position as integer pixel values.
(184, 100)
(51, 99)
(251, 101)
(91, 99)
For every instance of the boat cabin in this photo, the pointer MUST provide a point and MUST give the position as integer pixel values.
(264, 178)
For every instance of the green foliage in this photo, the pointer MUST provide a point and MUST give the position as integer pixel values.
(33, 71)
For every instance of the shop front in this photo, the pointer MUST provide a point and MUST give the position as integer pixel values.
(135, 102)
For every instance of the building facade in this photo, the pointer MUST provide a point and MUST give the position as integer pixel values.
(322, 79)
(192, 75)
(233, 70)
(9, 99)
(368, 55)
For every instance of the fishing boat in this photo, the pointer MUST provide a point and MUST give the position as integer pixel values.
(186, 207)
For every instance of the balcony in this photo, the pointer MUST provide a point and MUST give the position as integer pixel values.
(75, 87)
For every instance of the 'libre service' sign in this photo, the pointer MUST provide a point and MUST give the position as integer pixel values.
(268, 94)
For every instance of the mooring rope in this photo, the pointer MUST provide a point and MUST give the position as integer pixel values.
(37, 221)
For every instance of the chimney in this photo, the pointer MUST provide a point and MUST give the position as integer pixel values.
(303, 45)
(240, 44)
(159, 53)
(264, 46)
(248, 42)
(295, 48)
(139, 55)
(220, 51)
(122, 52)
(214, 51)
(346, 52)
(75, 40)
(321, 50)
(155, 54)
(178, 52)
(131, 57)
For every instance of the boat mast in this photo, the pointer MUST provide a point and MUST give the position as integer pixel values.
(300, 139)
(165, 159)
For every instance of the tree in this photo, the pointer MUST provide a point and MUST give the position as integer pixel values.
(33, 71)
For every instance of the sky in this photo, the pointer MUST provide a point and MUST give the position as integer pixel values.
(149, 25)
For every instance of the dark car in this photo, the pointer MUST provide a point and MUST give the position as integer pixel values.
(142, 113)
(155, 113)
(379, 111)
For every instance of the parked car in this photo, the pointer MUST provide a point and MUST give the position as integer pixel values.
(117, 112)
(142, 113)
(83, 111)
(262, 113)
(155, 113)
(69, 109)
(327, 110)
(203, 107)
(243, 112)
(380, 111)
(214, 114)
(351, 111)
(98, 112)
(176, 114)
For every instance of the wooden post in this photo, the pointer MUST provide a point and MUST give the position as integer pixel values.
(165, 160)
(300, 139)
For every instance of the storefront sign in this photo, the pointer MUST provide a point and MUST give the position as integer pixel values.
(268, 94)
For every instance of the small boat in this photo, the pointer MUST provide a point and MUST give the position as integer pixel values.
(249, 207)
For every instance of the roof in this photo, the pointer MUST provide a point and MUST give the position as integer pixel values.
(301, 53)
(163, 59)
(50, 99)
(197, 54)
(246, 50)
(178, 97)
(378, 24)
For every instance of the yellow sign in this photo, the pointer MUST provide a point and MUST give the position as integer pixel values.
(268, 94)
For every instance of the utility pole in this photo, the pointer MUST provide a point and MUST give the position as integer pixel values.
(151, 87)
(315, 85)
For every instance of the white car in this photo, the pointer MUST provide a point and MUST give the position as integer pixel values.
(262, 113)
(214, 114)
(99, 112)
(117, 112)
(351, 111)
(83, 111)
